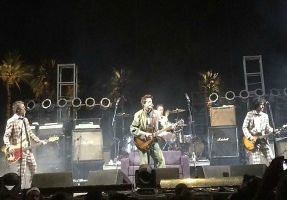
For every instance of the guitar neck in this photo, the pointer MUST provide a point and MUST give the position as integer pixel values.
(32, 146)
(162, 130)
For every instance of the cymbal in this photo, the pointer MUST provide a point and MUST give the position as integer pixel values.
(177, 111)
(123, 115)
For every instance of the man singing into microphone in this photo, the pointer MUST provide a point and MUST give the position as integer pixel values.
(18, 131)
(145, 120)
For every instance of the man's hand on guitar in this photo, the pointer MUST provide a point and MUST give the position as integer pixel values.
(43, 142)
(10, 150)
(252, 139)
(277, 131)
(148, 136)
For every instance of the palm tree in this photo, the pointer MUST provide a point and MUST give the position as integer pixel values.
(210, 82)
(44, 83)
(119, 83)
(12, 72)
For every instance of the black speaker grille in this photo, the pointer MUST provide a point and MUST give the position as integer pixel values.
(51, 157)
(223, 141)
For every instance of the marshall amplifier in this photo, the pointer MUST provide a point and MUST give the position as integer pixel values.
(223, 142)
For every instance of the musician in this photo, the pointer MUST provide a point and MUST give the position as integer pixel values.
(18, 131)
(144, 120)
(255, 122)
(162, 118)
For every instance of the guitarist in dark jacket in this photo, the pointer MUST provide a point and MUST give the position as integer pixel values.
(256, 123)
(18, 128)
(144, 124)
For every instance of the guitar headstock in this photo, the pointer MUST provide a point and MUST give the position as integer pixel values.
(53, 139)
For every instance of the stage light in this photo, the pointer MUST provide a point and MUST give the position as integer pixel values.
(77, 103)
(145, 177)
(62, 103)
(10, 185)
(90, 103)
(47, 104)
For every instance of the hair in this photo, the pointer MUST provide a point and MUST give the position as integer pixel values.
(179, 188)
(159, 105)
(143, 99)
(94, 194)
(16, 105)
(258, 101)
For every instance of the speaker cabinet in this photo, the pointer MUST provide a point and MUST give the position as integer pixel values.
(87, 144)
(82, 169)
(51, 157)
(107, 177)
(240, 170)
(48, 180)
(223, 142)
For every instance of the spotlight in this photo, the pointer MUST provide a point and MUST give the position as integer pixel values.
(213, 97)
(77, 103)
(62, 103)
(10, 185)
(145, 177)
(244, 94)
(90, 103)
(259, 92)
(31, 105)
(47, 104)
(274, 92)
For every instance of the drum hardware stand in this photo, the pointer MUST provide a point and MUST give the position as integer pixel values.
(116, 140)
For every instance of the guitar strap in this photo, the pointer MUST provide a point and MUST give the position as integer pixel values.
(26, 132)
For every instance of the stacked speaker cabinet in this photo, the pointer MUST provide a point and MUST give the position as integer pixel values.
(87, 151)
(51, 157)
(223, 145)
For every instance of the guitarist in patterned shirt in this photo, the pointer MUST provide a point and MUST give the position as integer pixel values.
(256, 123)
(145, 119)
(16, 126)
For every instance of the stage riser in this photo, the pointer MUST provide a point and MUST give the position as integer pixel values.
(227, 171)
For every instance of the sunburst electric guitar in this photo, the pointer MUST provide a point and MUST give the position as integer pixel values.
(17, 154)
(259, 139)
(144, 144)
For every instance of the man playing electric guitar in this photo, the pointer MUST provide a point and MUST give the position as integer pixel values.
(256, 121)
(144, 125)
(18, 131)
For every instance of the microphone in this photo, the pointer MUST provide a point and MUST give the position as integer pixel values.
(187, 97)
(118, 100)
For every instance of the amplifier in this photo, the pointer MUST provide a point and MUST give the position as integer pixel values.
(50, 129)
(89, 123)
(222, 116)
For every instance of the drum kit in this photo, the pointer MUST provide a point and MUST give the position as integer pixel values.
(169, 141)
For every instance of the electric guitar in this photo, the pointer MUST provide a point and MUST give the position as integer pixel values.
(17, 154)
(145, 143)
(259, 139)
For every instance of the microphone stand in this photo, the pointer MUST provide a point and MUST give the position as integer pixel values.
(190, 133)
(273, 125)
(116, 140)
(21, 151)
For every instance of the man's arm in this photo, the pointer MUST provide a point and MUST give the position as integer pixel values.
(268, 128)
(245, 126)
(7, 134)
(135, 127)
